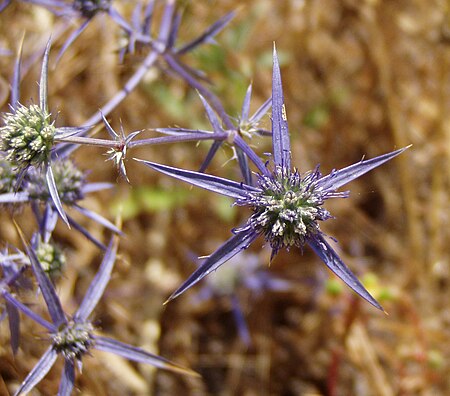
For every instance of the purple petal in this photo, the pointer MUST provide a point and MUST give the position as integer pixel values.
(119, 19)
(219, 185)
(335, 264)
(225, 252)
(86, 233)
(246, 105)
(68, 379)
(166, 22)
(15, 86)
(243, 165)
(280, 132)
(211, 153)
(212, 117)
(260, 113)
(98, 285)
(45, 284)
(148, 14)
(27, 311)
(208, 34)
(54, 194)
(343, 176)
(174, 30)
(14, 325)
(39, 371)
(138, 355)
(136, 16)
(43, 84)
(98, 219)
(109, 128)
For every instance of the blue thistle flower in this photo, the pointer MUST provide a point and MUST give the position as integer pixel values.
(75, 337)
(286, 205)
(28, 134)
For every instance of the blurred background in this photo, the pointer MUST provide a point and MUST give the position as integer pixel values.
(360, 78)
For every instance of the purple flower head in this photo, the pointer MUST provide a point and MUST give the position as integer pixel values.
(246, 125)
(74, 337)
(286, 205)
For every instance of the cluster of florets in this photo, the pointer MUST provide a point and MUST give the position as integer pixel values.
(8, 176)
(69, 182)
(27, 136)
(74, 340)
(287, 207)
(88, 8)
(51, 257)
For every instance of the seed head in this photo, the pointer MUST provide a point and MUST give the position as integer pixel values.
(287, 207)
(74, 340)
(27, 136)
(69, 182)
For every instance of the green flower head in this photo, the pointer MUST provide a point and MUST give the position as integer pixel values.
(27, 136)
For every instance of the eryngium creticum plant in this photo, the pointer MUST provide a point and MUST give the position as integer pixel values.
(287, 205)
(74, 337)
(29, 134)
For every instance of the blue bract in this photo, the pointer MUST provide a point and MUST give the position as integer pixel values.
(73, 337)
(286, 205)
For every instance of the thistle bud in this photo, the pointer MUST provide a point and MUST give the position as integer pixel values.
(27, 136)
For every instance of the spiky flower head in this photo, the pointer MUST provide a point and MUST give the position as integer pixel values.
(74, 340)
(68, 178)
(287, 207)
(51, 257)
(88, 8)
(27, 136)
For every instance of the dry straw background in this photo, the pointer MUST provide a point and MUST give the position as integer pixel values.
(361, 78)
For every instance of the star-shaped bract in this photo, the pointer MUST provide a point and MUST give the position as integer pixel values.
(286, 205)
(246, 126)
(73, 337)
